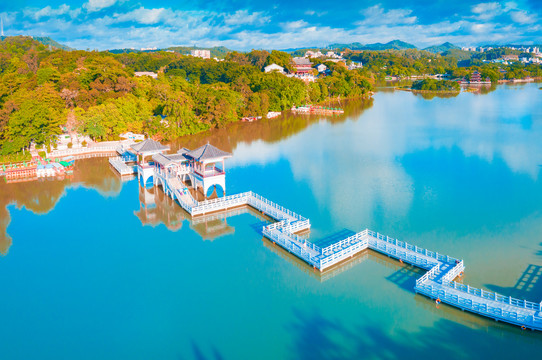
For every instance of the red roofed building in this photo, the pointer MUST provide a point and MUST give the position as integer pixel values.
(302, 65)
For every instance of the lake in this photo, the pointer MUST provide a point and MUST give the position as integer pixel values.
(95, 267)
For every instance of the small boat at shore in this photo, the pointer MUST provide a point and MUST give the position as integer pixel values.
(273, 114)
(316, 109)
(250, 118)
(68, 159)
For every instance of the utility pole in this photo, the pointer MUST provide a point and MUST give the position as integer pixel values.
(2, 26)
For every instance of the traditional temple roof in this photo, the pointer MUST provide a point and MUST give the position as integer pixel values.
(168, 159)
(207, 152)
(149, 146)
(301, 61)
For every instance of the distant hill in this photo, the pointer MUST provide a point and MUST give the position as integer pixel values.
(392, 45)
(48, 41)
(45, 40)
(217, 51)
(458, 54)
(437, 49)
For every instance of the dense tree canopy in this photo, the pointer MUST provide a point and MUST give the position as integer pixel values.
(44, 91)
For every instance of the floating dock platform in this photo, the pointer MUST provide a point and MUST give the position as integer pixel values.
(437, 283)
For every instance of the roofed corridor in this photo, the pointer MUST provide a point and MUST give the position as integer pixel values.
(437, 283)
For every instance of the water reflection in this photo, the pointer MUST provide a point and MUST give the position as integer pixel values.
(364, 161)
(41, 195)
(156, 208)
(269, 130)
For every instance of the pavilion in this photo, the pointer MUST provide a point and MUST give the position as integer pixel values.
(207, 165)
(143, 150)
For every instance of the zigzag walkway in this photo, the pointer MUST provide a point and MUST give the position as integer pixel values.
(437, 283)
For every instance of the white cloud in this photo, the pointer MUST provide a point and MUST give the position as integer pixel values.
(294, 25)
(144, 16)
(522, 17)
(48, 11)
(243, 17)
(95, 5)
(487, 11)
(242, 30)
(315, 13)
(376, 15)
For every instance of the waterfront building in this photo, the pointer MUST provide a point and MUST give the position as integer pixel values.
(144, 151)
(207, 169)
(203, 167)
(475, 77)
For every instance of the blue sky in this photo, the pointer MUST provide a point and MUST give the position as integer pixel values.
(245, 25)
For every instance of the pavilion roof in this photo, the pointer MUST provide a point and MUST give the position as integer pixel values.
(149, 146)
(168, 159)
(206, 152)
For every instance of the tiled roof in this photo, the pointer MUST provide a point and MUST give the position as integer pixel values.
(168, 159)
(207, 151)
(149, 145)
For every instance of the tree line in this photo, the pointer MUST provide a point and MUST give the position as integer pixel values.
(456, 63)
(45, 92)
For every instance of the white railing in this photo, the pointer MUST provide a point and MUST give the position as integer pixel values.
(397, 252)
(484, 308)
(481, 293)
(453, 273)
(339, 246)
(428, 275)
(94, 148)
(255, 198)
(286, 242)
(341, 255)
(282, 232)
(443, 258)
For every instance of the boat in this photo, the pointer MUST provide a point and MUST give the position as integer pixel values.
(68, 159)
(250, 118)
(316, 109)
(273, 114)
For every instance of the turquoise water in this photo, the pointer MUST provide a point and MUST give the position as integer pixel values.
(96, 268)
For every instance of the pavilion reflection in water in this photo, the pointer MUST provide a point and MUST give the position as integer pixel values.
(157, 208)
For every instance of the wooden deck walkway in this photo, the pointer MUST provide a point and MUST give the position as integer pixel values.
(437, 283)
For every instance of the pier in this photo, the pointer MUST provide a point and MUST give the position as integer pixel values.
(204, 169)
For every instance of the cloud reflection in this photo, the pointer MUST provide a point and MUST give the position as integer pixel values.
(358, 164)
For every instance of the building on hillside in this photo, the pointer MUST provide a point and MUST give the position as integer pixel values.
(146, 73)
(313, 54)
(302, 65)
(306, 77)
(320, 68)
(355, 65)
(274, 67)
(333, 55)
(510, 57)
(204, 54)
(131, 136)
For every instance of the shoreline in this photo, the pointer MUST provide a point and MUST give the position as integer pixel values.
(429, 91)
